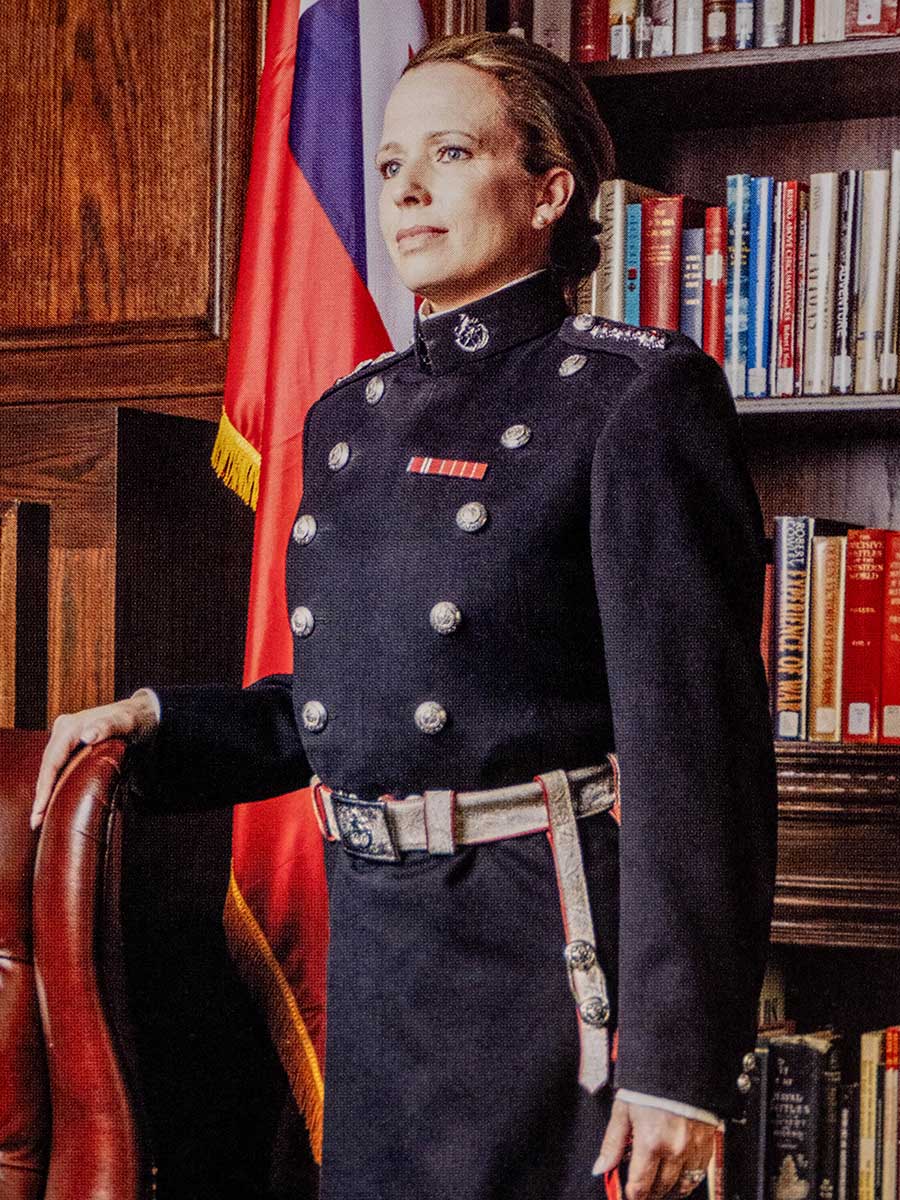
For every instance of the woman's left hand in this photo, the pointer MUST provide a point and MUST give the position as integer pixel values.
(663, 1144)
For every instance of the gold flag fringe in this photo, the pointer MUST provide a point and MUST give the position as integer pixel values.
(236, 461)
(265, 980)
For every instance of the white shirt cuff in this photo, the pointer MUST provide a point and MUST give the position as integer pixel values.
(676, 1106)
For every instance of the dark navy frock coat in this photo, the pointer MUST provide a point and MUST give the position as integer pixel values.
(607, 574)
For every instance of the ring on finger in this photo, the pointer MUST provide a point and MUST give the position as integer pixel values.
(691, 1177)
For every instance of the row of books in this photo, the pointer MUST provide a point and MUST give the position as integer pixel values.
(793, 288)
(596, 30)
(831, 631)
(807, 1130)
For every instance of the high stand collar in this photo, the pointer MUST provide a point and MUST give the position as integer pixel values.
(449, 341)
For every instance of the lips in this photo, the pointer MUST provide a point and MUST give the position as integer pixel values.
(415, 231)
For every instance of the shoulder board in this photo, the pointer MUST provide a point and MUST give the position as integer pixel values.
(599, 333)
(361, 367)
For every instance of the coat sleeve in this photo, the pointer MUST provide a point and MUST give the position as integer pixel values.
(217, 746)
(678, 551)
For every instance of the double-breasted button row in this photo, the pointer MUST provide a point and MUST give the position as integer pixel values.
(304, 530)
(430, 716)
(302, 621)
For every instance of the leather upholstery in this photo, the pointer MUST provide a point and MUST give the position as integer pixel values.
(100, 1139)
(24, 1100)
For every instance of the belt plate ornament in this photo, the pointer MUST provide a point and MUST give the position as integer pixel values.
(364, 828)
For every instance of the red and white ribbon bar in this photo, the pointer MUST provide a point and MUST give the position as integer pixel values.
(458, 468)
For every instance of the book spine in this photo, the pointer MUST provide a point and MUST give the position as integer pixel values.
(823, 214)
(551, 25)
(775, 289)
(591, 43)
(787, 296)
(688, 26)
(863, 618)
(622, 14)
(632, 313)
(797, 1112)
(766, 630)
(873, 250)
(829, 556)
(879, 1127)
(888, 364)
(846, 281)
(738, 197)
(791, 603)
(770, 23)
(889, 1155)
(743, 24)
(691, 319)
(715, 253)
(760, 282)
(662, 14)
(611, 299)
(718, 25)
(890, 642)
(802, 275)
(870, 18)
(661, 228)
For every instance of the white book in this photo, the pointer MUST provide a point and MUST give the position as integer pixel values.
(820, 282)
(888, 366)
(873, 247)
(688, 26)
(871, 1048)
(551, 26)
(775, 302)
(829, 19)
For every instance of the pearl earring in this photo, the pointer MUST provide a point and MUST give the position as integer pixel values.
(541, 219)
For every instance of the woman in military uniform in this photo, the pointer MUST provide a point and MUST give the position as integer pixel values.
(524, 583)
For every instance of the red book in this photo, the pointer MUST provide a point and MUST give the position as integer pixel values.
(591, 30)
(787, 298)
(716, 242)
(890, 642)
(807, 19)
(863, 620)
(870, 18)
(765, 635)
(662, 220)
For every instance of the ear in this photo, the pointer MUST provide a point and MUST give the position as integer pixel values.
(553, 191)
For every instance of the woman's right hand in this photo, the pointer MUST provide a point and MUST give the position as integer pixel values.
(134, 719)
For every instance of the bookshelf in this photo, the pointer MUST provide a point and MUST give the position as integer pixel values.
(682, 124)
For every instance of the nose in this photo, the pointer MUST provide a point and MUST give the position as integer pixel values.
(408, 186)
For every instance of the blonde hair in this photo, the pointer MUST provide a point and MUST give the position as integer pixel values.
(558, 123)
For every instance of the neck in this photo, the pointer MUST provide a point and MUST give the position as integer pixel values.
(431, 307)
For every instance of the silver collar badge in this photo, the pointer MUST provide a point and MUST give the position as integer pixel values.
(470, 334)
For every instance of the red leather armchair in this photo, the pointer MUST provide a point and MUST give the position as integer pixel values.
(120, 1012)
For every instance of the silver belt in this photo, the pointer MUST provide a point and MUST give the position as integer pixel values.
(439, 820)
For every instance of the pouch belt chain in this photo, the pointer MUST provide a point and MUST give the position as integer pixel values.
(439, 820)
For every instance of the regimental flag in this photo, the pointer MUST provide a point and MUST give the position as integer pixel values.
(316, 294)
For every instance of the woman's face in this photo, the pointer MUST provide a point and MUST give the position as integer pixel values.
(458, 209)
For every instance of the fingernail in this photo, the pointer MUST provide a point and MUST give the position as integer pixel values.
(600, 1166)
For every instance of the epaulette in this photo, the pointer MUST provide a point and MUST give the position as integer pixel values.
(599, 333)
(360, 367)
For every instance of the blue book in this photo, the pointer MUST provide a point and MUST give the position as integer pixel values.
(633, 264)
(738, 201)
(691, 322)
(759, 295)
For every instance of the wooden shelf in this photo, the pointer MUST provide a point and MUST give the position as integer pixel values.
(832, 81)
(838, 845)
(821, 414)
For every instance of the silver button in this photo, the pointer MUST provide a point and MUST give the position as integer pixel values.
(338, 456)
(305, 529)
(744, 1083)
(748, 1062)
(314, 716)
(570, 365)
(430, 717)
(594, 1011)
(580, 955)
(374, 389)
(472, 516)
(515, 436)
(302, 621)
(445, 617)
(583, 322)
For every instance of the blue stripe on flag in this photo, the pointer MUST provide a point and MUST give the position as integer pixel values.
(325, 134)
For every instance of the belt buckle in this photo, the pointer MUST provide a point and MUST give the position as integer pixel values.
(363, 827)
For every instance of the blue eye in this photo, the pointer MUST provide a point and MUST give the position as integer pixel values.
(384, 169)
(447, 151)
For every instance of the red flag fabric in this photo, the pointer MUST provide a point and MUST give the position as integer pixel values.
(316, 294)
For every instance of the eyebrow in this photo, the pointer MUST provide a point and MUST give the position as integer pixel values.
(432, 137)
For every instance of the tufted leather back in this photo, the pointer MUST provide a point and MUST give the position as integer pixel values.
(24, 1099)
